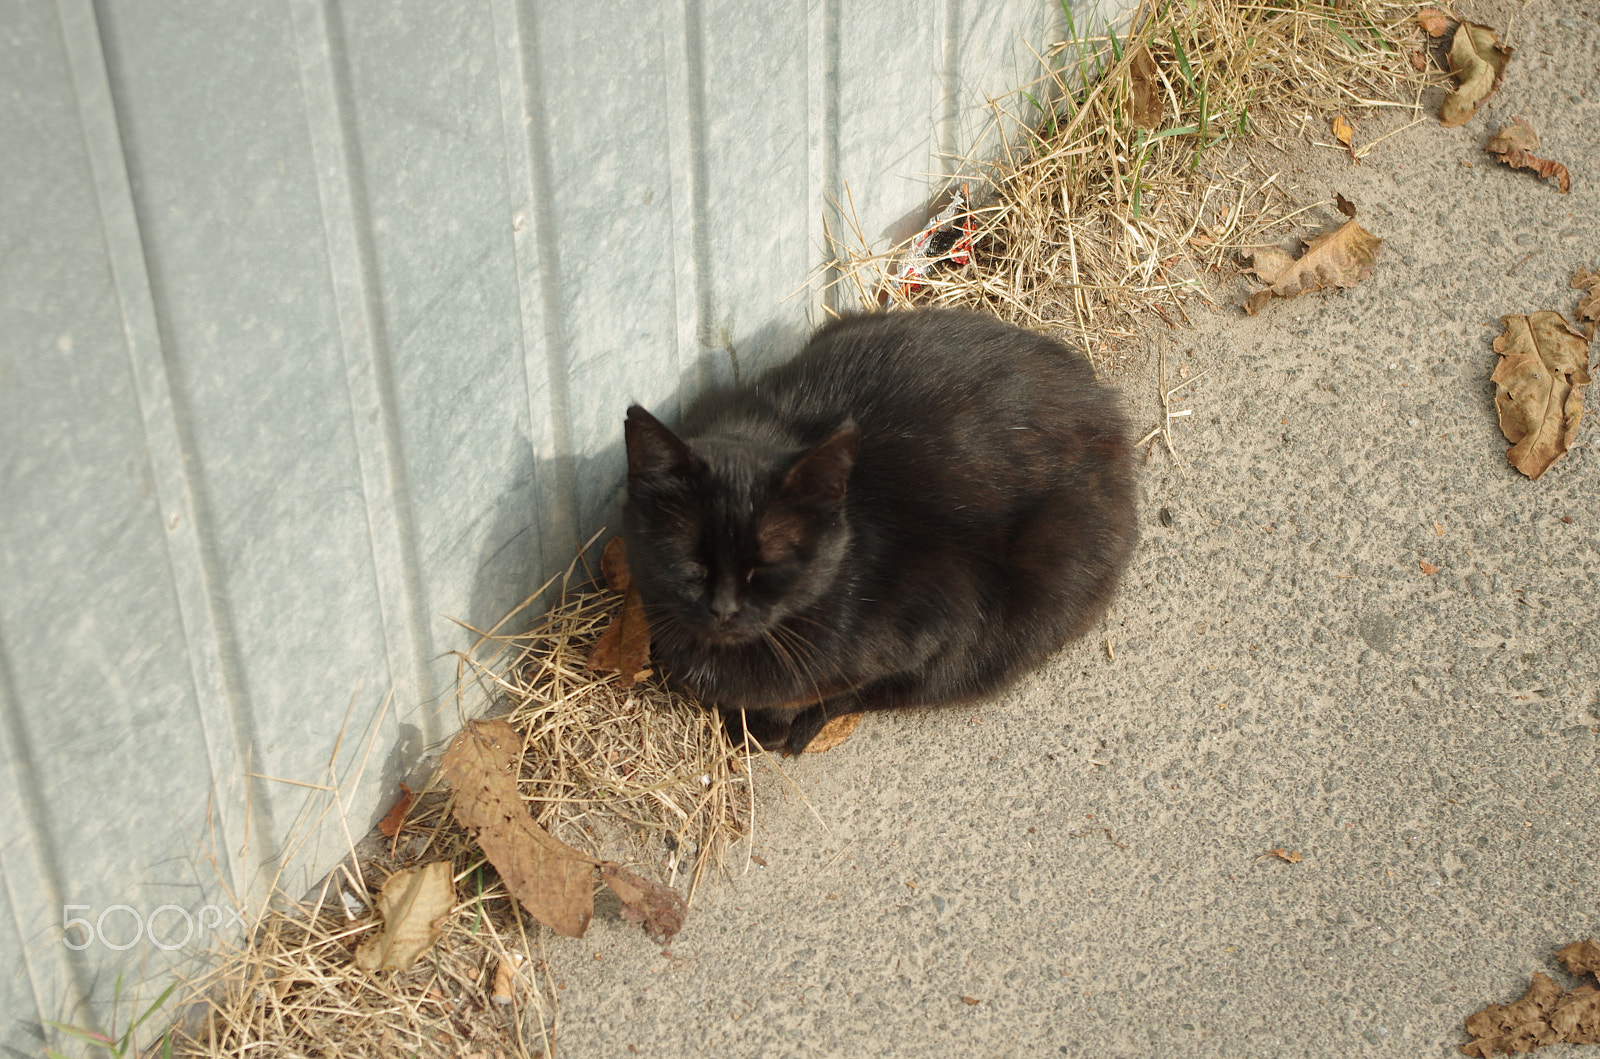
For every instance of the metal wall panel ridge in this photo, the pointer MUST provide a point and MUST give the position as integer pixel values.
(317, 321)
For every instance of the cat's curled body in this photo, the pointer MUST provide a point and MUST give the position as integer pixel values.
(917, 509)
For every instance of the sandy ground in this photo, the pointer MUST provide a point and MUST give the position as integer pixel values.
(1078, 868)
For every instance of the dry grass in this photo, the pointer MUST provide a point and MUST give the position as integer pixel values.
(617, 771)
(1097, 223)
(637, 774)
(292, 988)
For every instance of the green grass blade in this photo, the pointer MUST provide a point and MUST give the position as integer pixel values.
(87, 1036)
(1048, 112)
(1183, 59)
(154, 1006)
(1180, 130)
(1377, 34)
(1342, 35)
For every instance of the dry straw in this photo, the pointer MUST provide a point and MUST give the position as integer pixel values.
(638, 774)
(616, 771)
(1127, 190)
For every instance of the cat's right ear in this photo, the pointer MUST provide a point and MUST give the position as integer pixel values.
(820, 476)
(654, 451)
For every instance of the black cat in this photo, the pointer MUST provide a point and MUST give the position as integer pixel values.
(915, 510)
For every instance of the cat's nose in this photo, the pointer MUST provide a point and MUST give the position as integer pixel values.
(724, 601)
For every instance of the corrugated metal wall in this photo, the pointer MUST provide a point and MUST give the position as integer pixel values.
(317, 322)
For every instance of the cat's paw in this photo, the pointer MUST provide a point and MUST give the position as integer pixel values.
(764, 729)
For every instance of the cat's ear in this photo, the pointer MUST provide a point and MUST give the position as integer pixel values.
(820, 476)
(653, 450)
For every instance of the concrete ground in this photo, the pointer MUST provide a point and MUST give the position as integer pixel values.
(1080, 868)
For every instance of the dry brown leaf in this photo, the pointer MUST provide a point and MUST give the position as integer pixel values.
(1589, 304)
(1434, 23)
(614, 565)
(1514, 145)
(505, 977)
(657, 908)
(833, 733)
(624, 646)
(1478, 62)
(1577, 1016)
(1345, 133)
(396, 816)
(1146, 103)
(414, 904)
(1519, 1027)
(553, 881)
(1581, 957)
(1543, 363)
(1288, 856)
(1339, 258)
(1428, 568)
(970, 1001)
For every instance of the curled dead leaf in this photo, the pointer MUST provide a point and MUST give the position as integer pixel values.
(1345, 133)
(1517, 1027)
(1478, 61)
(415, 903)
(1338, 258)
(1514, 145)
(1577, 1016)
(833, 733)
(1428, 569)
(553, 881)
(505, 977)
(1543, 364)
(1434, 23)
(1545, 1014)
(624, 646)
(393, 820)
(1145, 100)
(1581, 957)
(659, 909)
(1288, 856)
(614, 565)
(1589, 304)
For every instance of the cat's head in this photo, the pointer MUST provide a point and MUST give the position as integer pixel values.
(728, 537)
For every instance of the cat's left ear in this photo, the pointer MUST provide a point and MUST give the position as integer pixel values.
(653, 450)
(820, 476)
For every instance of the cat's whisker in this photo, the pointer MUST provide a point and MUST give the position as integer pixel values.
(801, 670)
(797, 645)
(785, 658)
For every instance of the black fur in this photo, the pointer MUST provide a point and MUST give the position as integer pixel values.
(916, 510)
